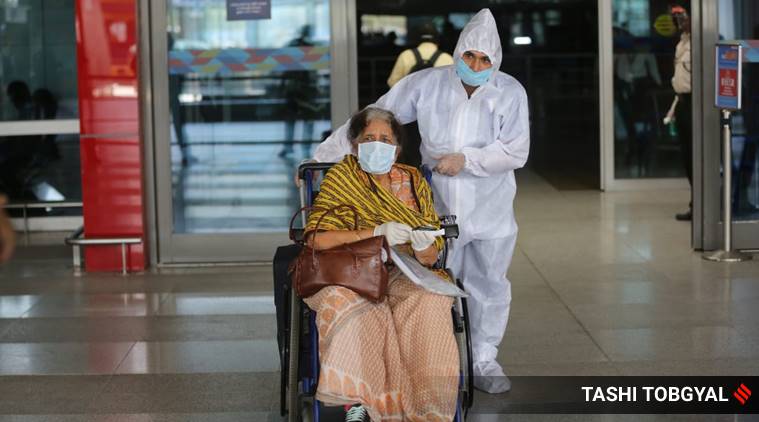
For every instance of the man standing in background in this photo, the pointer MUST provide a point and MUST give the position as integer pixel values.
(681, 83)
(426, 54)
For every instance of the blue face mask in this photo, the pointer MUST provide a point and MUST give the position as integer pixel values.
(376, 157)
(469, 76)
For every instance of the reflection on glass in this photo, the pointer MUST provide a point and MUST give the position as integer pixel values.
(16, 306)
(213, 304)
(40, 168)
(645, 37)
(247, 101)
(739, 20)
(38, 81)
(37, 60)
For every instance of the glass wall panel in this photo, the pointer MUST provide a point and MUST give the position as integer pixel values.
(38, 81)
(645, 36)
(28, 175)
(37, 60)
(248, 101)
(739, 20)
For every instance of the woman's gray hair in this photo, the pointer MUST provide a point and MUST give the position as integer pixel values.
(361, 120)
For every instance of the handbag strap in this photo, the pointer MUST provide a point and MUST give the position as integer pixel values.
(291, 232)
(318, 223)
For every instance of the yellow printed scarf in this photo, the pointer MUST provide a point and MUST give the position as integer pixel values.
(347, 184)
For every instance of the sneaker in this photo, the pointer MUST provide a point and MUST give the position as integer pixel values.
(489, 377)
(357, 413)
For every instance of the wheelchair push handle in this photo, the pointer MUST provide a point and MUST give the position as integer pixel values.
(449, 230)
(312, 166)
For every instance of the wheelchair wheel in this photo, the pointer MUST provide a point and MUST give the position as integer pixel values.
(465, 347)
(307, 410)
(293, 396)
(284, 363)
(283, 380)
(460, 415)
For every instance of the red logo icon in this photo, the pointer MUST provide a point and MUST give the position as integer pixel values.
(742, 394)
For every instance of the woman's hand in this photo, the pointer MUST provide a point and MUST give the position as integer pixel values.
(427, 257)
(395, 233)
(423, 244)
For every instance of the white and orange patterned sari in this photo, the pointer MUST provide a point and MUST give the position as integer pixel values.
(398, 357)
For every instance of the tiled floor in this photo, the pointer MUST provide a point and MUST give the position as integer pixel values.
(603, 284)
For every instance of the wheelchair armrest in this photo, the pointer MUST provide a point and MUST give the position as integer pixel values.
(448, 223)
(451, 231)
(313, 166)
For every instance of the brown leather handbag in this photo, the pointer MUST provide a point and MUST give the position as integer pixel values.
(358, 266)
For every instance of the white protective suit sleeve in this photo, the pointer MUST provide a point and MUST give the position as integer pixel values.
(401, 100)
(508, 152)
(335, 147)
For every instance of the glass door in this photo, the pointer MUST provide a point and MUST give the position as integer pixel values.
(39, 114)
(240, 98)
(732, 20)
(640, 151)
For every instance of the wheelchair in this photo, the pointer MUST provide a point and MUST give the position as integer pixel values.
(297, 334)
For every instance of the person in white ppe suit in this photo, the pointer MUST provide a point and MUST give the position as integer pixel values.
(474, 124)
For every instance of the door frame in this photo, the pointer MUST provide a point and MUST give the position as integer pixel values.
(606, 114)
(167, 248)
(707, 177)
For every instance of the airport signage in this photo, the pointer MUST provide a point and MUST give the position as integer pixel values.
(728, 74)
(242, 10)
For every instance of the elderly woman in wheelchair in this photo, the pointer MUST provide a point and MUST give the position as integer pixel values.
(396, 359)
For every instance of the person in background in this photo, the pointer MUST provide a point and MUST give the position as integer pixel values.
(7, 235)
(301, 94)
(46, 108)
(178, 119)
(681, 83)
(426, 54)
(637, 70)
(19, 153)
(21, 98)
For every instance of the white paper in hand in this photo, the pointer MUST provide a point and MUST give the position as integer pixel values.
(422, 277)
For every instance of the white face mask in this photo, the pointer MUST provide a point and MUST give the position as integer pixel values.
(376, 157)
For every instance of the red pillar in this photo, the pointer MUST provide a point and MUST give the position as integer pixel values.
(111, 148)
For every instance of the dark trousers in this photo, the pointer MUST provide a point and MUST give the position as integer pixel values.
(684, 121)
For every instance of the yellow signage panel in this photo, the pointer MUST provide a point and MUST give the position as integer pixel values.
(664, 26)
